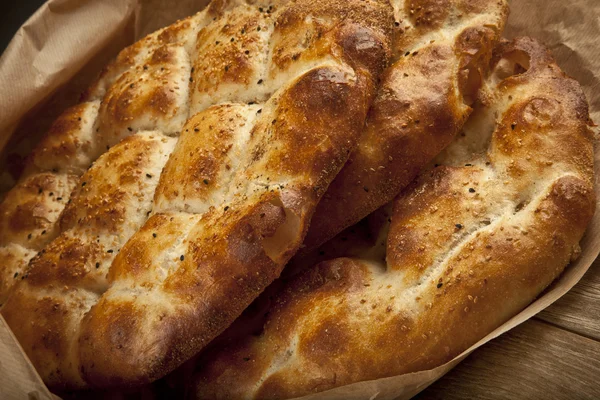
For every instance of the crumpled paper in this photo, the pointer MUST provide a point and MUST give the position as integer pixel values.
(56, 53)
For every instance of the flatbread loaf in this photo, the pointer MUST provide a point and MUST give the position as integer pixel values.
(213, 140)
(470, 244)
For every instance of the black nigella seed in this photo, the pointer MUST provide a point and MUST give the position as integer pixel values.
(130, 129)
(513, 126)
(59, 198)
(110, 251)
(181, 257)
(366, 189)
(260, 81)
(40, 190)
(247, 52)
(206, 181)
(226, 68)
(259, 111)
(148, 176)
(439, 285)
(43, 232)
(226, 208)
(246, 358)
(29, 236)
(458, 226)
(468, 165)
(97, 265)
(471, 190)
(154, 235)
(16, 274)
(83, 184)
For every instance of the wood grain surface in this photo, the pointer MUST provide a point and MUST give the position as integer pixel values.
(555, 355)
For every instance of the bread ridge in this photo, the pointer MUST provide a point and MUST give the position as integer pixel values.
(441, 54)
(471, 243)
(249, 138)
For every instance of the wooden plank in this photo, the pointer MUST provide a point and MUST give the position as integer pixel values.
(536, 360)
(579, 310)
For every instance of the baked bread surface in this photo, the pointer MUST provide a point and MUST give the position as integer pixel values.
(212, 141)
(441, 54)
(471, 243)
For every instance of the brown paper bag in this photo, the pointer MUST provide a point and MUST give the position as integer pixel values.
(70, 40)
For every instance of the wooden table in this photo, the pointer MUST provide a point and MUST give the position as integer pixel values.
(555, 355)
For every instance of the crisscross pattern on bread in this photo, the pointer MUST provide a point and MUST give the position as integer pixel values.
(214, 139)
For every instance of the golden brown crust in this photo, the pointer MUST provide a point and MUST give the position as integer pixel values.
(66, 277)
(470, 244)
(149, 263)
(442, 52)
